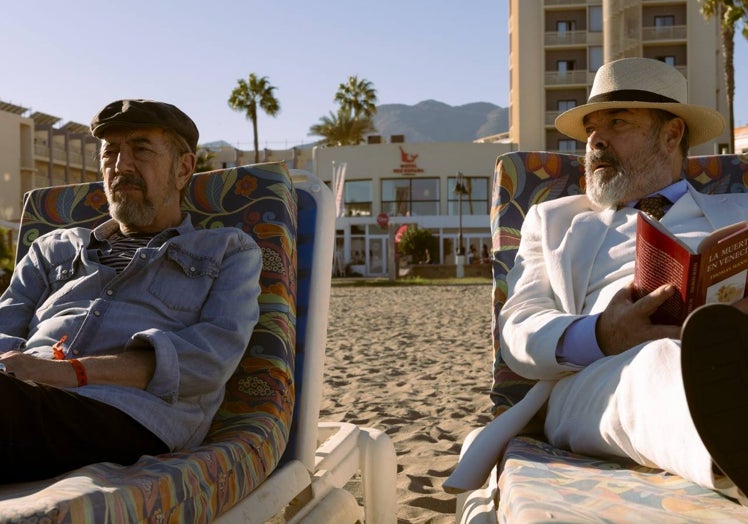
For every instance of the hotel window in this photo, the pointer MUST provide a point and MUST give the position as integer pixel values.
(565, 65)
(567, 146)
(358, 245)
(664, 21)
(475, 202)
(565, 105)
(596, 19)
(668, 59)
(358, 198)
(563, 26)
(410, 196)
(596, 58)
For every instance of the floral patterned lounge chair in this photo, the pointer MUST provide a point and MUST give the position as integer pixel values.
(535, 481)
(265, 451)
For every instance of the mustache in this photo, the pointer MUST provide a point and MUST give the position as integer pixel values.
(602, 156)
(128, 180)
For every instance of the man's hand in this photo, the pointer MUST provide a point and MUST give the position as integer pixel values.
(132, 368)
(625, 323)
(44, 371)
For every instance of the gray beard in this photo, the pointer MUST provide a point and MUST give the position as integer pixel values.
(133, 214)
(634, 178)
(607, 193)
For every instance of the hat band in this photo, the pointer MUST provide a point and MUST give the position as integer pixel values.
(631, 95)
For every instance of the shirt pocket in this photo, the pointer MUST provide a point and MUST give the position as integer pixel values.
(62, 282)
(183, 281)
(59, 275)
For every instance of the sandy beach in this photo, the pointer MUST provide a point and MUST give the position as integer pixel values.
(415, 362)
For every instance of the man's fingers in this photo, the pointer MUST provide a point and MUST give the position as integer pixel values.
(649, 303)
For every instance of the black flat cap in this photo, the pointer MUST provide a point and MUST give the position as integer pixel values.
(145, 113)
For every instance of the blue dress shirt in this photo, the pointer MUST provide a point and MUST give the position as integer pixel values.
(579, 344)
(190, 296)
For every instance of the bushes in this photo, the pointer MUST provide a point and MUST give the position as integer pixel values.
(420, 244)
(6, 258)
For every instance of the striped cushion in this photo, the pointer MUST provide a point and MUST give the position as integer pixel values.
(538, 482)
(250, 431)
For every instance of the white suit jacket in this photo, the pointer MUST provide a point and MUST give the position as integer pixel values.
(547, 288)
(548, 283)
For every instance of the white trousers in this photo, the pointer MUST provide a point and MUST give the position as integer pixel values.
(633, 405)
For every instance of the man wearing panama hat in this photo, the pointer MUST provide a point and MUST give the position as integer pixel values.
(613, 378)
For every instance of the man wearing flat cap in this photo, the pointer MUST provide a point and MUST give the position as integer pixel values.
(613, 378)
(117, 342)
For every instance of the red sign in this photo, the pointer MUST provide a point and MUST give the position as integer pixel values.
(383, 220)
(400, 232)
(407, 164)
(399, 235)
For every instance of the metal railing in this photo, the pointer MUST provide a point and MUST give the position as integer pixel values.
(550, 117)
(568, 77)
(557, 38)
(553, 3)
(58, 155)
(673, 32)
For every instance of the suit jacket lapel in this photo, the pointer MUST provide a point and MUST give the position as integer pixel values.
(719, 210)
(579, 244)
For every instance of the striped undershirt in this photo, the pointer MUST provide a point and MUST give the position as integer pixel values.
(123, 249)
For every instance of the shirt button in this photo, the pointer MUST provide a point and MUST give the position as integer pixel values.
(97, 313)
(142, 255)
(64, 271)
(76, 352)
(109, 292)
(193, 269)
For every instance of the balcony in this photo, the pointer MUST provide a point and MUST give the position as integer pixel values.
(566, 78)
(550, 117)
(565, 38)
(569, 3)
(573, 38)
(60, 157)
(666, 33)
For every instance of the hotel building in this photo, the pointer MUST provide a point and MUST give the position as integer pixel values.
(35, 151)
(409, 183)
(556, 46)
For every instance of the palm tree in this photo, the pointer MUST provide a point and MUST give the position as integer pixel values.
(729, 13)
(250, 94)
(359, 96)
(204, 159)
(342, 128)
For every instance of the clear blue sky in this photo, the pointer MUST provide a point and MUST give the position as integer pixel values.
(71, 58)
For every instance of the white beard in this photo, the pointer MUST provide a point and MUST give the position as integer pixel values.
(628, 180)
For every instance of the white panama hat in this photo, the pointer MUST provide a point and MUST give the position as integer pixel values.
(632, 83)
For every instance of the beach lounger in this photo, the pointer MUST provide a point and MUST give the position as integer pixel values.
(266, 454)
(534, 481)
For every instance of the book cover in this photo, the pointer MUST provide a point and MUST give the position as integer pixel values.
(716, 272)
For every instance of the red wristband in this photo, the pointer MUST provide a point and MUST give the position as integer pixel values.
(57, 350)
(80, 371)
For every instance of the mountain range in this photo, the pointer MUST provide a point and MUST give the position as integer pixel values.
(434, 121)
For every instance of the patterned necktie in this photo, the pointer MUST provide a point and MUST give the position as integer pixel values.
(654, 206)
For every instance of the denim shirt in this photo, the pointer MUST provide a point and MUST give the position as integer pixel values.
(190, 295)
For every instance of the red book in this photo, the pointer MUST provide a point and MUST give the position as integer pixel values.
(716, 272)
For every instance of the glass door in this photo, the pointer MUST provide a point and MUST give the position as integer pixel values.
(377, 259)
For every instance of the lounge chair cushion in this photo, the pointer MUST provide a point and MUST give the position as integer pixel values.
(522, 179)
(542, 483)
(538, 482)
(251, 429)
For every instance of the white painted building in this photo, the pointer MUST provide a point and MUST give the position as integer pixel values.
(741, 139)
(409, 183)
